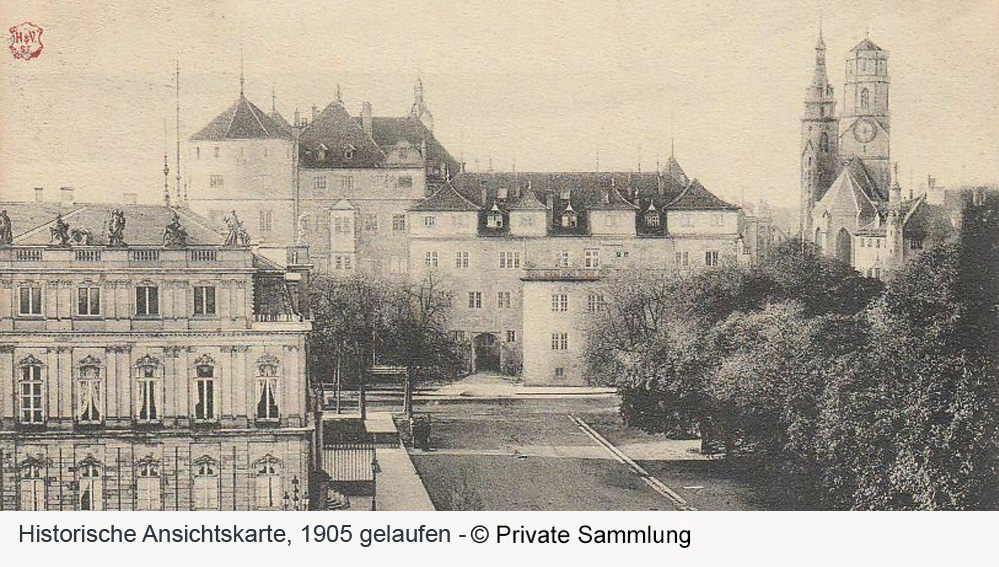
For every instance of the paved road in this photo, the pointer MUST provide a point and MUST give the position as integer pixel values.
(519, 454)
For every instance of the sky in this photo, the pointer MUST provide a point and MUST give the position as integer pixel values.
(533, 85)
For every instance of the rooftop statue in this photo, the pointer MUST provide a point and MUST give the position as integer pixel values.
(6, 232)
(116, 229)
(60, 232)
(237, 235)
(174, 235)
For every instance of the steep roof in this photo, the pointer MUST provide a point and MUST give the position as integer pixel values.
(144, 224)
(335, 139)
(446, 199)
(389, 131)
(696, 197)
(866, 45)
(612, 200)
(848, 186)
(241, 121)
(528, 202)
(276, 117)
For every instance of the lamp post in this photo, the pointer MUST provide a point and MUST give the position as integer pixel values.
(375, 469)
(296, 499)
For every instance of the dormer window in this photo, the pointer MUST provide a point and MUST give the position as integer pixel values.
(494, 219)
(321, 152)
(348, 153)
(569, 218)
(652, 218)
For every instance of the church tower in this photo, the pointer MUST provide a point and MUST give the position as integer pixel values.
(866, 126)
(420, 110)
(819, 139)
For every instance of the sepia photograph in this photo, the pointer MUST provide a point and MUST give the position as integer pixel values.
(475, 256)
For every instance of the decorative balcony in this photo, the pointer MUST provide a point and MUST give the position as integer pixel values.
(560, 274)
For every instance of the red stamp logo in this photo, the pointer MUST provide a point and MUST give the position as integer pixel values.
(25, 41)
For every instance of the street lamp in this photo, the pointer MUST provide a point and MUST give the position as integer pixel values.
(375, 469)
(295, 498)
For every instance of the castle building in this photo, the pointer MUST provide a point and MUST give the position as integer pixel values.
(851, 203)
(147, 362)
(382, 197)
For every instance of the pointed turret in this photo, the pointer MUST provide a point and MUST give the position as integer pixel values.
(419, 109)
(819, 139)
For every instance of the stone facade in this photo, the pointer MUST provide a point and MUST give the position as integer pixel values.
(148, 377)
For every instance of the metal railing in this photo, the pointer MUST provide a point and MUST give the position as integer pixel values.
(202, 255)
(149, 255)
(349, 462)
(88, 255)
(28, 255)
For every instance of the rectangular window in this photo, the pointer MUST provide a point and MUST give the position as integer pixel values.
(30, 301)
(503, 299)
(266, 221)
(458, 336)
(319, 182)
(560, 302)
(509, 260)
(147, 301)
(204, 300)
(215, 180)
(91, 409)
(591, 258)
(429, 221)
(560, 341)
(30, 395)
(399, 223)
(511, 336)
(371, 222)
(682, 259)
(148, 394)
(562, 259)
(560, 372)
(204, 393)
(147, 486)
(206, 486)
(461, 259)
(405, 181)
(711, 258)
(32, 488)
(216, 151)
(430, 259)
(343, 262)
(347, 184)
(267, 405)
(595, 302)
(475, 300)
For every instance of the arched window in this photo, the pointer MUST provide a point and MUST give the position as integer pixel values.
(148, 380)
(32, 485)
(865, 99)
(91, 493)
(147, 485)
(90, 410)
(824, 142)
(268, 483)
(204, 389)
(30, 392)
(652, 218)
(268, 376)
(206, 484)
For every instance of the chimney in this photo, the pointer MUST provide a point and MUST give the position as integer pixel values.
(298, 119)
(484, 192)
(315, 112)
(66, 195)
(130, 198)
(366, 117)
(39, 195)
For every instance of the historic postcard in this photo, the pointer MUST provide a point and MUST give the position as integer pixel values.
(541, 255)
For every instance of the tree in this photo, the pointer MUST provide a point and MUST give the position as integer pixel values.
(416, 334)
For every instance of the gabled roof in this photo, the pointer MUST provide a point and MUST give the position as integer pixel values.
(447, 198)
(696, 197)
(848, 186)
(342, 136)
(343, 205)
(144, 224)
(673, 169)
(612, 200)
(528, 202)
(241, 121)
(387, 132)
(866, 45)
(866, 181)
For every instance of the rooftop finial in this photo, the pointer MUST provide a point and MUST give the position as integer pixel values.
(241, 78)
(339, 95)
(273, 100)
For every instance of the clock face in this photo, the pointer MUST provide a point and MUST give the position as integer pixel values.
(865, 130)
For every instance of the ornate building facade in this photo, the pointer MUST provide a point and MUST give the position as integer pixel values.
(148, 362)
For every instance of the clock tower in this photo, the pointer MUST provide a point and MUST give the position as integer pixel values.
(866, 126)
(819, 139)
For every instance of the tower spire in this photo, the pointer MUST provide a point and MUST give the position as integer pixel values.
(242, 79)
(180, 196)
(273, 100)
(166, 165)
